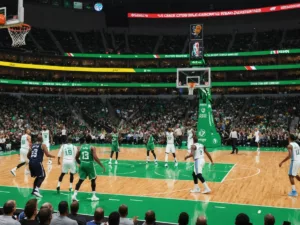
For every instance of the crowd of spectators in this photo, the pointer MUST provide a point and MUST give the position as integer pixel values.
(69, 216)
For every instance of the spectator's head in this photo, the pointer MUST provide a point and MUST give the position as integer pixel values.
(45, 216)
(98, 215)
(88, 139)
(123, 210)
(201, 220)
(47, 205)
(150, 217)
(269, 219)
(242, 219)
(9, 208)
(74, 207)
(114, 218)
(63, 208)
(183, 218)
(31, 209)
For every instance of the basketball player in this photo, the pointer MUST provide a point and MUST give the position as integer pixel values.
(36, 156)
(190, 141)
(197, 152)
(46, 139)
(86, 157)
(25, 146)
(150, 147)
(257, 137)
(294, 155)
(170, 147)
(69, 151)
(114, 146)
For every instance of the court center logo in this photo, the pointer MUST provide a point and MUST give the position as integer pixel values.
(202, 133)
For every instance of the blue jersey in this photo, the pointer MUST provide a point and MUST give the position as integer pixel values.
(37, 153)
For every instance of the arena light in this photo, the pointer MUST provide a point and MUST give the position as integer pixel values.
(98, 6)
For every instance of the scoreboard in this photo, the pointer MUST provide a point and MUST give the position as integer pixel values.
(196, 49)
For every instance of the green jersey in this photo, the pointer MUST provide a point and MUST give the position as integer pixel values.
(86, 153)
(150, 140)
(115, 139)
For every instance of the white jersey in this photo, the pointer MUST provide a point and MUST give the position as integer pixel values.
(199, 152)
(24, 142)
(295, 151)
(46, 136)
(64, 132)
(256, 134)
(69, 151)
(190, 136)
(170, 138)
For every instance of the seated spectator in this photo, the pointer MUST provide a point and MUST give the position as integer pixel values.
(123, 211)
(45, 216)
(149, 218)
(242, 219)
(183, 219)
(269, 219)
(63, 209)
(9, 209)
(98, 217)
(201, 220)
(30, 213)
(114, 218)
(74, 216)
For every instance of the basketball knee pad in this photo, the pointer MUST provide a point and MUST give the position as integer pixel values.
(200, 177)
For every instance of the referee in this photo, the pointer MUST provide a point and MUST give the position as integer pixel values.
(233, 135)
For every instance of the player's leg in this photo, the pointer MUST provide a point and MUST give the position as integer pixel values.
(293, 172)
(49, 159)
(148, 158)
(82, 176)
(111, 155)
(61, 177)
(72, 173)
(23, 161)
(154, 155)
(37, 171)
(117, 156)
(77, 187)
(198, 171)
(92, 176)
(174, 155)
(293, 193)
(258, 146)
(168, 149)
(196, 186)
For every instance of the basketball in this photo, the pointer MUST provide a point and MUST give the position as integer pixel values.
(2, 19)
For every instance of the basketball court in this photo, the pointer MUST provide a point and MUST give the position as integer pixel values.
(240, 183)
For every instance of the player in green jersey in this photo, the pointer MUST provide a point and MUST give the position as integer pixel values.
(150, 147)
(86, 157)
(115, 148)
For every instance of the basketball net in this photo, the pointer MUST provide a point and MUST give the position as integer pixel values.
(191, 87)
(18, 34)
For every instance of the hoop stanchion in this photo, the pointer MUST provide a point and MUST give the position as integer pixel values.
(18, 34)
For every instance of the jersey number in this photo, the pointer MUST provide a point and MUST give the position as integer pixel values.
(45, 136)
(68, 152)
(34, 153)
(298, 151)
(23, 142)
(85, 155)
(169, 138)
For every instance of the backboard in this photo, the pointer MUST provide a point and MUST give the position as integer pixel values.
(200, 76)
(13, 11)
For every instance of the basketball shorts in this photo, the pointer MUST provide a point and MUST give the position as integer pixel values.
(87, 169)
(36, 169)
(115, 148)
(170, 148)
(23, 155)
(48, 146)
(294, 168)
(68, 166)
(257, 140)
(198, 166)
(150, 147)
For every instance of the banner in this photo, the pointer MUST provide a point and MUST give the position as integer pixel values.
(138, 70)
(145, 85)
(215, 13)
(182, 56)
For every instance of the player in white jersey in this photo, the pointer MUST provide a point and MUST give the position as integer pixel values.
(257, 139)
(294, 156)
(170, 147)
(46, 134)
(197, 152)
(69, 164)
(25, 146)
(190, 141)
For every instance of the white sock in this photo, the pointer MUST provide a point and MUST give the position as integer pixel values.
(94, 193)
(166, 158)
(205, 185)
(196, 186)
(110, 159)
(75, 192)
(15, 168)
(293, 187)
(71, 185)
(175, 159)
(58, 184)
(37, 189)
(147, 158)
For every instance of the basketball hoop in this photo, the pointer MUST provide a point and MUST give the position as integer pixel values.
(191, 87)
(18, 34)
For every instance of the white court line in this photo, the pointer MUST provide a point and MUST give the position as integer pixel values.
(5, 192)
(220, 207)
(126, 173)
(228, 173)
(241, 178)
(136, 200)
(64, 194)
(114, 199)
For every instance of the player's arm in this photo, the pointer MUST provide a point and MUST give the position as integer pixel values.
(29, 141)
(208, 155)
(77, 156)
(29, 154)
(51, 137)
(93, 149)
(290, 149)
(59, 155)
(193, 148)
(45, 149)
